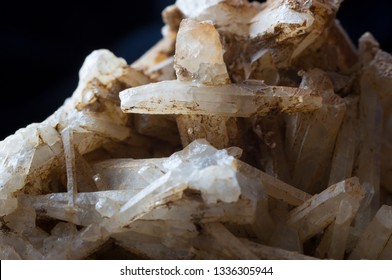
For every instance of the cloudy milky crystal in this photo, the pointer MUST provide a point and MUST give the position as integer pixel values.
(249, 131)
(239, 100)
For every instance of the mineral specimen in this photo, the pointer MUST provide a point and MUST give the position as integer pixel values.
(250, 131)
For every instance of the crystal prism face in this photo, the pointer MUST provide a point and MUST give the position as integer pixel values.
(250, 131)
(241, 100)
(199, 40)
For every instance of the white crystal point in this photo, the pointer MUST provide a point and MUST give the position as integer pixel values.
(209, 171)
(198, 147)
(214, 180)
(102, 65)
(199, 167)
(199, 54)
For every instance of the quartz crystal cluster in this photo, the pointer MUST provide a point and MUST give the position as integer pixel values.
(250, 131)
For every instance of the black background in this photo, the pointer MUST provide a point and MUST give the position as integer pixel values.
(43, 45)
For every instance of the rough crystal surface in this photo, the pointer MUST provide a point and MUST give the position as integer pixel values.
(240, 100)
(249, 131)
